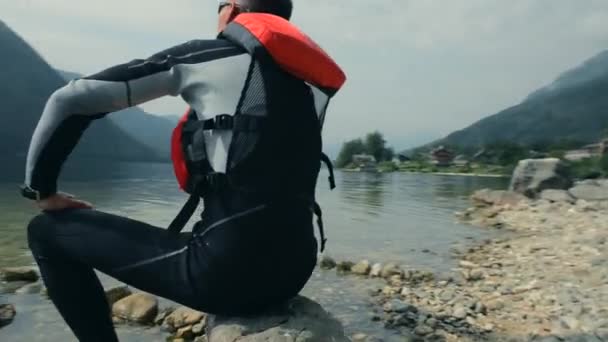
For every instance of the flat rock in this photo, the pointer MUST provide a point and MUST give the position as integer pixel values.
(591, 191)
(29, 274)
(299, 320)
(362, 268)
(398, 306)
(139, 307)
(488, 197)
(7, 314)
(559, 196)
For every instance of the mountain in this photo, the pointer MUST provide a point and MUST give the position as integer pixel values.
(151, 130)
(574, 107)
(26, 82)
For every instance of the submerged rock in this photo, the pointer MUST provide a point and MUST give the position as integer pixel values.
(301, 319)
(139, 307)
(344, 266)
(532, 176)
(327, 263)
(362, 268)
(10, 274)
(7, 314)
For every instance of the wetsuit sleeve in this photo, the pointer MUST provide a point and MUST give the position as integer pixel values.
(71, 109)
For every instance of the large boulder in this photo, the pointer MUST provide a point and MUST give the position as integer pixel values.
(532, 176)
(591, 190)
(299, 320)
(7, 314)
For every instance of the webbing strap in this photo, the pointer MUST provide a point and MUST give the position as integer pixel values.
(319, 214)
(332, 180)
(210, 182)
(238, 122)
(179, 222)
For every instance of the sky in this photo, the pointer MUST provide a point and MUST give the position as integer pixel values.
(417, 69)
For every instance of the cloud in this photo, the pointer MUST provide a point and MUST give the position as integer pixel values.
(417, 69)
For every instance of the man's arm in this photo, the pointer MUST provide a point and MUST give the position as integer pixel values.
(71, 109)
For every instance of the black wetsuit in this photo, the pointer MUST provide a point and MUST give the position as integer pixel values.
(232, 270)
(243, 255)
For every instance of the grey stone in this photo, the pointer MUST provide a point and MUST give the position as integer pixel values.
(201, 339)
(423, 330)
(7, 314)
(299, 320)
(327, 263)
(362, 268)
(459, 312)
(552, 195)
(488, 197)
(590, 191)
(28, 274)
(398, 306)
(390, 270)
(447, 295)
(532, 176)
(139, 308)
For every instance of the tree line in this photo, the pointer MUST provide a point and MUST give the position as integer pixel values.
(372, 144)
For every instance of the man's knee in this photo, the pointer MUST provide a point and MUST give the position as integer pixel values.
(40, 225)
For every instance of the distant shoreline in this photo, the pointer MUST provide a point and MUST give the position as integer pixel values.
(488, 175)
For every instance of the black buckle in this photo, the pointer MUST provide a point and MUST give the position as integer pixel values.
(223, 121)
(215, 181)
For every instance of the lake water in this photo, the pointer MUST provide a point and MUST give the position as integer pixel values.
(405, 218)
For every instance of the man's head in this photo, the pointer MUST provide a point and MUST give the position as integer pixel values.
(229, 9)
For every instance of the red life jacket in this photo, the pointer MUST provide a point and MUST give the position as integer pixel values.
(299, 79)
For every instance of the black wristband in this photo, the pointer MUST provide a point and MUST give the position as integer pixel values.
(32, 194)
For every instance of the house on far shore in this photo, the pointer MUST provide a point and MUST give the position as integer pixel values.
(461, 160)
(364, 162)
(441, 156)
(588, 151)
(401, 158)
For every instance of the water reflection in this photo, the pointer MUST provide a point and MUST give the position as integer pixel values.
(364, 191)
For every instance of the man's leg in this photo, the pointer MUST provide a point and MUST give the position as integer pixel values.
(68, 245)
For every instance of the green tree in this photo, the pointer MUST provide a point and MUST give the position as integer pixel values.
(349, 149)
(375, 145)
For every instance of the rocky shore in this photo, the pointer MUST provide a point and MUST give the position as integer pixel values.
(301, 319)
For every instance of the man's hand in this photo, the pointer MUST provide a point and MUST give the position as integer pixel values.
(62, 201)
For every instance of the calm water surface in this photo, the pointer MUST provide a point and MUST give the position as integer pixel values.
(406, 218)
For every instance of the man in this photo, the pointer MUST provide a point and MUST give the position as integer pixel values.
(255, 245)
